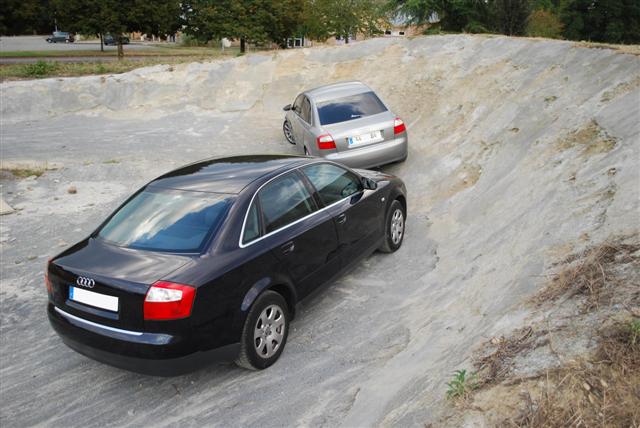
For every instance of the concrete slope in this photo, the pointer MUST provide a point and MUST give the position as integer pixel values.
(521, 152)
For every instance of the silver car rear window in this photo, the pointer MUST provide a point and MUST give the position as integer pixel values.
(350, 108)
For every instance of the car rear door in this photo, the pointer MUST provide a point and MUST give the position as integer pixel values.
(302, 110)
(300, 236)
(358, 213)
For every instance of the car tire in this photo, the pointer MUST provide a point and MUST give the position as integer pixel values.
(265, 332)
(288, 132)
(394, 228)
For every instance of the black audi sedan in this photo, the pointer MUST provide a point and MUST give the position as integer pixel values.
(208, 261)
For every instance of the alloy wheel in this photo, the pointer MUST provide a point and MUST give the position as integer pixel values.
(269, 330)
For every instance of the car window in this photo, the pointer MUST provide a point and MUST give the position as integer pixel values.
(252, 226)
(349, 108)
(332, 182)
(166, 220)
(283, 201)
(306, 110)
(297, 104)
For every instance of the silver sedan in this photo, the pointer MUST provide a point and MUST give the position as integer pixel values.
(347, 123)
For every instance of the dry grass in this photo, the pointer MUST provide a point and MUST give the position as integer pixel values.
(603, 390)
(24, 172)
(589, 274)
(493, 367)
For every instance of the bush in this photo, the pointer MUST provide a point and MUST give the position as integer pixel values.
(475, 27)
(542, 23)
(40, 68)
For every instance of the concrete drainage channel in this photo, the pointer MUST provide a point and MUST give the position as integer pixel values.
(519, 154)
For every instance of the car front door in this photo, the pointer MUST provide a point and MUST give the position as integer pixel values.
(300, 236)
(358, 213)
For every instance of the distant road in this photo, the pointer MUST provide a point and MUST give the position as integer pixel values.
(38, 43)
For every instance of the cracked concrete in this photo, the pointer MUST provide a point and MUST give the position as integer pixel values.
(495, 194)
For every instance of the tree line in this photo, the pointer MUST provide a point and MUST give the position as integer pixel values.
(273, 21)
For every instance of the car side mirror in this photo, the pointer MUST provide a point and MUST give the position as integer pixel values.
(287, 107)
(369, 184)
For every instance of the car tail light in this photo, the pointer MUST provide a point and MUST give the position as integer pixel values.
(325, 142)
(168, 301)
(398, 126)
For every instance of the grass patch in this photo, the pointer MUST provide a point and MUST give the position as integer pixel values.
(590, 274)
(24, 172)
(43, 69)
(111, 161)
(600, 391)
(112, 52)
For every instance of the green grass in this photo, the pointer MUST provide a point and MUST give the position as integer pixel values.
(634, 332)
(43, 69)
(24, 172)
(154, 51)
(461, 384)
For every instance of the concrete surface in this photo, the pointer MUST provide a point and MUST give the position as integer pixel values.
(521, 152)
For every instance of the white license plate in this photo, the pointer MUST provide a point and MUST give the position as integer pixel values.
(366, 138)
(94, 299)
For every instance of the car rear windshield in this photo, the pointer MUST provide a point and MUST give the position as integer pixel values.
(166, 220)
(349, 108)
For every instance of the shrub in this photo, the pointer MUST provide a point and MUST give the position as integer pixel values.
(543, 23)
(40, 68)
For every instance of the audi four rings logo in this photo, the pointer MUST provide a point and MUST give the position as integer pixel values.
(85, 282)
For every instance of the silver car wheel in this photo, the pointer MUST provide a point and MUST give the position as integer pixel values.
(268, 333)
(397, 226)
(288, 133)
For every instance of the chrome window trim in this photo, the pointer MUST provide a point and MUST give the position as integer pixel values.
(94, 324)
(246, 215)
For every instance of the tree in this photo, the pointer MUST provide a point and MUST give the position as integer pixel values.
(26, 17)
(344, 18)
(250, 21)
(454, 15)
(613, 21)
(511, 16)
(543, 23)
(117, 17)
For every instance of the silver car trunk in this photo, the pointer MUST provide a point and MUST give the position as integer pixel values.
(367, 127)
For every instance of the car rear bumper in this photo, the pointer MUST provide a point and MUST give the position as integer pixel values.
(373, 155)
(154, 354)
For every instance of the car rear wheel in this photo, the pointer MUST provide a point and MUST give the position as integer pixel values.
(394, 228)
(288, 132)
(265, 332)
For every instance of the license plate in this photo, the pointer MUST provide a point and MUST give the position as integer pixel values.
(366, 138)
(94, 299)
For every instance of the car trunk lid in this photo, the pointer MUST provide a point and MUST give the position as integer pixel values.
(107, 284)
(362, 132)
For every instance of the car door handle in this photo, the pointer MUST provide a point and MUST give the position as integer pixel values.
(288, 248)
(342, 218)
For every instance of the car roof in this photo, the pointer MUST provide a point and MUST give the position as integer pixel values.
(225, 175)
(336, 90)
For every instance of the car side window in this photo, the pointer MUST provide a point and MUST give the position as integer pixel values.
(332, 182)
(252, 226)
(297, 104)
(284, 200)
(306, 110)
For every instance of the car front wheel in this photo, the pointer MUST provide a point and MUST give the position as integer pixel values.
(265, 332)
(394, 228)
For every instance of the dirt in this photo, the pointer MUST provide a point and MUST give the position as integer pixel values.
(503, 181)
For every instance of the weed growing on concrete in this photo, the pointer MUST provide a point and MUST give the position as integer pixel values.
(461, 384)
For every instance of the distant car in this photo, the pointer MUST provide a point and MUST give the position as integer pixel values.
(209, 261)
(60, 37)
(110, 40)
(347, 123)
